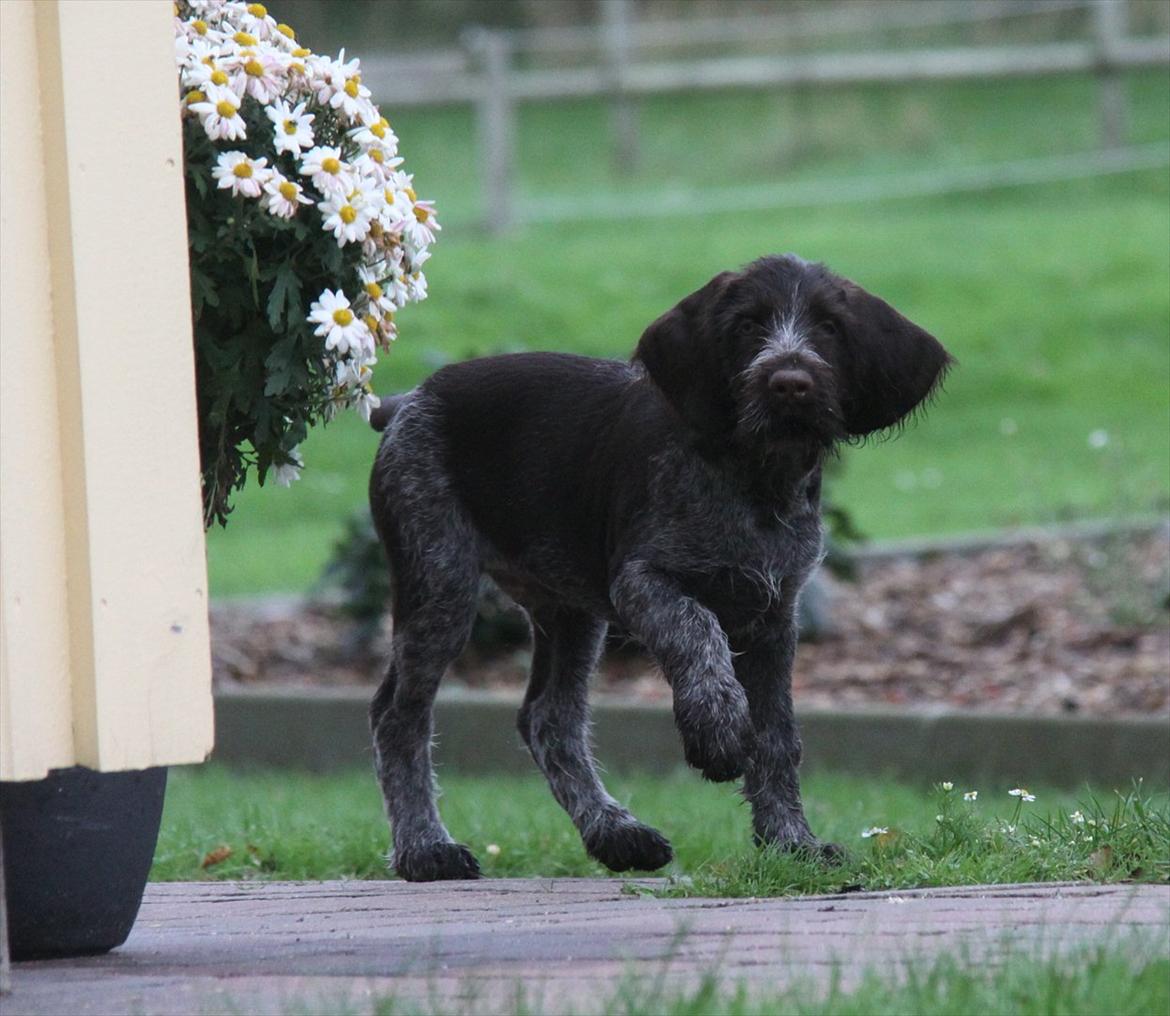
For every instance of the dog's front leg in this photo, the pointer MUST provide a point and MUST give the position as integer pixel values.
(771, 781)
(710, 707)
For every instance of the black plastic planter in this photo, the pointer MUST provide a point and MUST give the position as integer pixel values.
(77, 851)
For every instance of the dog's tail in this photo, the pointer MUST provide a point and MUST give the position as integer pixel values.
(380, 418)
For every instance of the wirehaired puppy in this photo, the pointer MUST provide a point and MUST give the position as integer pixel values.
(677, 495)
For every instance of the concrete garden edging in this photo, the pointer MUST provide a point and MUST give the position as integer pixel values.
(321, 730)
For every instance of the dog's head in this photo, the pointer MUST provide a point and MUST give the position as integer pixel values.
(784, 351)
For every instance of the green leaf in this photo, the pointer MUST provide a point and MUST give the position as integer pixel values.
(284, 301)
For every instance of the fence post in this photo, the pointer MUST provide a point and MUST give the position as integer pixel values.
(1109, 29)
(495, 115)
(623, 118)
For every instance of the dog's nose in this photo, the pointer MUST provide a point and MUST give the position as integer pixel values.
(794, 384)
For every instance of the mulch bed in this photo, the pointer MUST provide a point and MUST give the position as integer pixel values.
(1053, 626)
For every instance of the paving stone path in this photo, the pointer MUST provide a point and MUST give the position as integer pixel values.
(342, 946)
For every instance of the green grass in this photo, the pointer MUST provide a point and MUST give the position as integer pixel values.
(1054, 298)
(1128, 978)
(286, 826)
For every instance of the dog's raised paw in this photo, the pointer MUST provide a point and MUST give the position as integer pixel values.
(717, 736)
(630, 846)
(436, 862)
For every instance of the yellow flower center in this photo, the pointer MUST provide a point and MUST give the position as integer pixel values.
(287, 32)
(374, 290)
(300, 51)
(331, 165)
(296, 67)
(421, 214)
(288, 191)
(200, 27)
(351, 88)
(371, 322)
(243, 170)
(254, 68)
(218, 77)
(290, 127)
(347, 213)
(343, 316)
(375, 229)
(195, 96)
(225, 109)
(376, 154)
(388, 194)
(378, 129)
(411, 194)
(209, 60)
(257, 10)
(244, 39)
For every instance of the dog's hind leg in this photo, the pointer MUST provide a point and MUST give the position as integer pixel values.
(554, 722)
(426, 640)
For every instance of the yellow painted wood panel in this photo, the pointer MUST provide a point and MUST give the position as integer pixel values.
(121, 439)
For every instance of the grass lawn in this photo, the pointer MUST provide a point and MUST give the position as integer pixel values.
(1055, 298)
(1131, 978)
(269, 825)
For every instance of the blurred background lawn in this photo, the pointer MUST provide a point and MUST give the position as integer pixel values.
(1055, 296)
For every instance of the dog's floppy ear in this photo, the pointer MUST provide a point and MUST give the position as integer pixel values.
(889, 365)
(681, 354)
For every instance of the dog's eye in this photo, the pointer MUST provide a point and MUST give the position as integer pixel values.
(746, 329)
(829, 329)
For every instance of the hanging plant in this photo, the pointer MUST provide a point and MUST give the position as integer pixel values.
(306, 237)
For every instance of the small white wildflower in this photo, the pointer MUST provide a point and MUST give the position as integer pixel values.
(1034, 841)
(492, 849)
(971, 795)
(1098, 438)
(1022, 794)
(874, 831)
(948, 786)
(939, 818)
(1076, 818)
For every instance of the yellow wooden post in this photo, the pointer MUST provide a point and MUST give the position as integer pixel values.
(104, 656)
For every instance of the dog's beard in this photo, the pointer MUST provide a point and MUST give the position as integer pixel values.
(763, 423)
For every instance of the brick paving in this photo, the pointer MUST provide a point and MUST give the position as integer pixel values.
(343, 946)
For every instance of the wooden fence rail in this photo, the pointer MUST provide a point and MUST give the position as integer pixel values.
(485, 73)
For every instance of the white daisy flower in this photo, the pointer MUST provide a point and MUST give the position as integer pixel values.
(335, 320)
(287, 472)
(971, 795)
(282, 196)
(258, 74)
(377, 131)
(292, 128)
(241, 175)
(421, 225)
(220, 114)
(380, 303)
(948, 786)
(1076, 818)
(258, 21)
(347, 216)
(874, 831)
(1022, 794)
(352, 97)
(329, 172)
(332, 75)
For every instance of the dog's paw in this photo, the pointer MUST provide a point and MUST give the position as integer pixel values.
(435, 862)
(629, 846)
(812, 849)
(717, 732)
